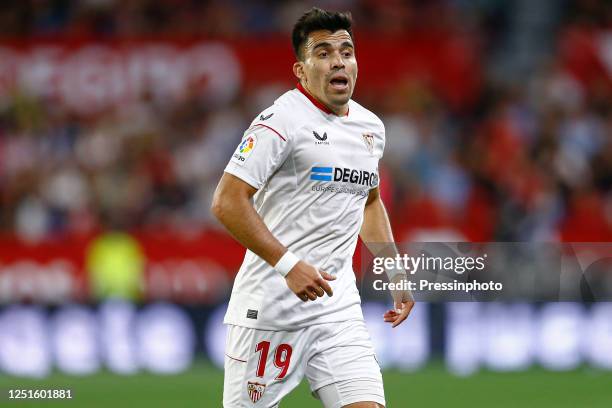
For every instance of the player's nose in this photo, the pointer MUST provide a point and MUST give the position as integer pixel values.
(336, 61)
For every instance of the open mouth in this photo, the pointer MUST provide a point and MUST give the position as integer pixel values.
(339, 82)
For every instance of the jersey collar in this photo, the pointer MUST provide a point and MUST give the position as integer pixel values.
(315, 102)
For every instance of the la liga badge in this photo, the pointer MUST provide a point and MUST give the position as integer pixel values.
(245, 148)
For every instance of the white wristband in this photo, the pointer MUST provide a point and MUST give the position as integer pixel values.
(286, 263)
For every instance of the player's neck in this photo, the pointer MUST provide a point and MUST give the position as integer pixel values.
(336, 110)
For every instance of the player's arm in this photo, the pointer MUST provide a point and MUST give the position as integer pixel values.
(376, 228)
(233, 208)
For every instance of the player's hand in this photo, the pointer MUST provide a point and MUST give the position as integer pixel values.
(309, 283)
(403, 302)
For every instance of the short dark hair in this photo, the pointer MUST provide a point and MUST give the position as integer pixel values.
(316, 19)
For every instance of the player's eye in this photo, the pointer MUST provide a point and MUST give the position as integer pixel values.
(323, 54)
(347, 54)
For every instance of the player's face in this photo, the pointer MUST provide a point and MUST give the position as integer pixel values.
(329, 68)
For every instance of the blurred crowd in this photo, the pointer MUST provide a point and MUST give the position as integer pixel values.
(529, 160)
(228, 17)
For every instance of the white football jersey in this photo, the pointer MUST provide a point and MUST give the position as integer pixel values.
(313, 171)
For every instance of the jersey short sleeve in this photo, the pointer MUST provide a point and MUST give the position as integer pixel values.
(262, 150)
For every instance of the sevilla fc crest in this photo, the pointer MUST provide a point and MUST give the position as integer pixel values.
(368, 139)
(255, 390)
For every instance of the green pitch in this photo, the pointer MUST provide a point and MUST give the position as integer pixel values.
(430, 387)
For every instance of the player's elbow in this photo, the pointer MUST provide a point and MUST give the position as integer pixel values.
(231, 198)
(219, 206)
(225, 205)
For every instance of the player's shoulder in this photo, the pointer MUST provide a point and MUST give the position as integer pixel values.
(366, 116)
(282, 116)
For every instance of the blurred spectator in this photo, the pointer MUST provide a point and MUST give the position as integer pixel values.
(115, 263)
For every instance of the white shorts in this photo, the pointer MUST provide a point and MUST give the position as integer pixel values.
(262, 366)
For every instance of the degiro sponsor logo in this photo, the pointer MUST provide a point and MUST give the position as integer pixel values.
(344, 175)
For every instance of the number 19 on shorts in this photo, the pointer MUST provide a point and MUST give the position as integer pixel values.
(282, 358)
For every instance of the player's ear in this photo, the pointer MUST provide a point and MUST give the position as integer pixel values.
(298, 70)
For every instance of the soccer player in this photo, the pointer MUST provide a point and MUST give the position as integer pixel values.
(300, 187)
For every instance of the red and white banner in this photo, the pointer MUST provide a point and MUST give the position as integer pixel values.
(196, 269)
(89, 76)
